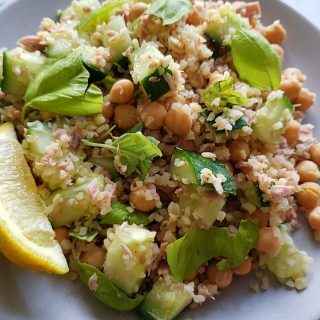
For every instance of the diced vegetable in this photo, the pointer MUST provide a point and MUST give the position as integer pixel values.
(272, 119)
(42, 138)
(100, 15)
(203, 204)
(166, 300)
(19, 67)
(70, 204)
(198, 246)
(224, 24)
(190, 166)
(254, 195)
(151, 71)
(117, 38)
(104, 290)
(255, 60)
(170, 11)
(62, 45)
(133, 150)
(62, 88)
(290, 264)
(131, 252)
(77, 10)
(120, 214)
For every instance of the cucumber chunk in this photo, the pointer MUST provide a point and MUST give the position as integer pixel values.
(204, 205)
(165, 301)
(19, 67)
(69, 205)
(131, 251)
(117, 38)
(254, 195)
(150, 70)
(224, 24)
(42, 138)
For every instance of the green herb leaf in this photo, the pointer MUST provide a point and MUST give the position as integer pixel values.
(120, 214)
(105, 290)
(223, 92)
(170, 11)
(102, 14)
(194, 163)
(88, 236)
(62, 88)
(255, 60)
(135, 151)
(198, 246)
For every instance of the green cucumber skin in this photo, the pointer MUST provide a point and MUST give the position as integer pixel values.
(158, 88)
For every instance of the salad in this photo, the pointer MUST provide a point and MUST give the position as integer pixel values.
(155, 150)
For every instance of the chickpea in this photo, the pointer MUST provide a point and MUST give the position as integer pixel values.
(275, 33)
(314, 218)
(291, 82)
(309, 196)
(153, 115)
(179, 122)
(136, 10)
(239, 151)
(94, 255)
(244, 268)
(144, 198)
(294, 73)
(308, 171)
(125, 116)
(61, 234)
(196, 16)
(315, 153)
(291, 88)
(270, 241)
(292, 133)
(122, 91)
(305, 99)
(107, 110)
(46, 115)
(174, 98)
(221, 278)
(279, 50)
(262, 216)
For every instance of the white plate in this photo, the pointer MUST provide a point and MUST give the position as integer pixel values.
(29, 295)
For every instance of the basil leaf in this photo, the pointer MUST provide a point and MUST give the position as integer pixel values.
(105, 290)
(170, 11)
(194, 163)
(221, 93)
(255, 60)
(120, 214)
(88, 236)
(242, 122)
(102, 14)
(135, 151)
(198, 246)
(62, 88)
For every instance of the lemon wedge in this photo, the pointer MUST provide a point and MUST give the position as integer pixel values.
(26, 235)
